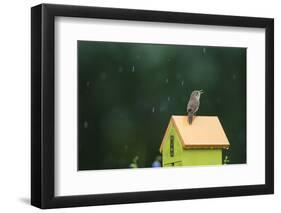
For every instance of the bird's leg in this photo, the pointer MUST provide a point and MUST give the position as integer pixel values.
(194, 115)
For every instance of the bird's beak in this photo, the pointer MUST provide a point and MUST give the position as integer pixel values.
(201, 92)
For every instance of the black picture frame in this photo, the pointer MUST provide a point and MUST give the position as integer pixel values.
(43, 102)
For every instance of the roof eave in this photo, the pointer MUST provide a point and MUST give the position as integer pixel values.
(206, 146)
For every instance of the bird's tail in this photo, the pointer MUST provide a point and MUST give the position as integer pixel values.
(190, 116)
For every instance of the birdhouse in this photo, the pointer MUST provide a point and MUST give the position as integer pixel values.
(200, 143)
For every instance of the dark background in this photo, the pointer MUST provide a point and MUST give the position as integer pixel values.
(128, 92)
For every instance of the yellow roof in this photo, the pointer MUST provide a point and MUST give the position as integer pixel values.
(204, 132)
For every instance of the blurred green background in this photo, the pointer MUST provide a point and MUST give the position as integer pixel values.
(128, 92)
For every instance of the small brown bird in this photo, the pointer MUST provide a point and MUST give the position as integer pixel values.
(193, 104)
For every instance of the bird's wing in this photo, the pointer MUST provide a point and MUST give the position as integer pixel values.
(192, 105)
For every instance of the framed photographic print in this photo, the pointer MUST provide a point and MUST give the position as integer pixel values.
(140, 106)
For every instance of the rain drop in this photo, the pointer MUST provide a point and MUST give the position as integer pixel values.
(168, 98)
(167, 80)
(204, 50)
(133, 68)
(182, 83)
(85, 124)
(153, 109)
(88, 83)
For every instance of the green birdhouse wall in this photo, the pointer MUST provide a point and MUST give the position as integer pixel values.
(200, 143)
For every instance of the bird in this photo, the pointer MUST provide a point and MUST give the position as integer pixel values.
(193, 104)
